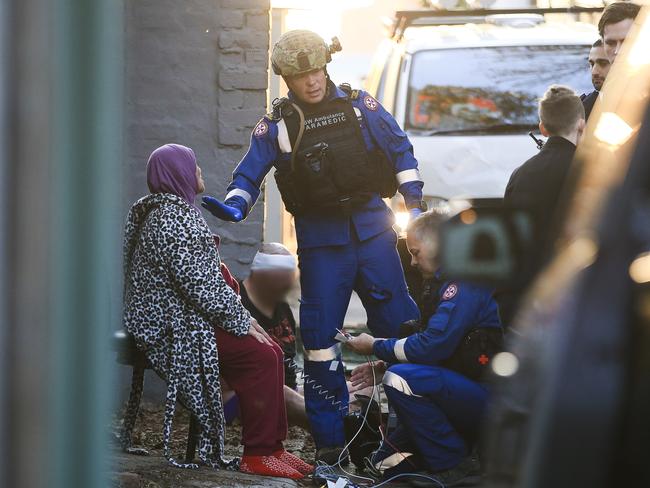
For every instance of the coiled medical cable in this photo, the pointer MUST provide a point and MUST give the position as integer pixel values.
(327, 471)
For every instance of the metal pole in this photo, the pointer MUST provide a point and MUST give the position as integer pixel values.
(86, 235)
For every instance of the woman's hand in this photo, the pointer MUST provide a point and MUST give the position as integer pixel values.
(255, 330)
(363, 377)
(361, 344)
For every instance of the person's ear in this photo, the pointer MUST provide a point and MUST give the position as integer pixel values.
(543, 130)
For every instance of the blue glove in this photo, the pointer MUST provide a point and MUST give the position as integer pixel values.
(232, 210)
(414, 213)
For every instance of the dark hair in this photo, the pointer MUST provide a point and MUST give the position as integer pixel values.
(617, 12)
(559, 110)
(598, 43)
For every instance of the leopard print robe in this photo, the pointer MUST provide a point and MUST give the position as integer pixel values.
(174, 295)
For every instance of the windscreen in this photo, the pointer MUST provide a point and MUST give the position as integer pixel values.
(469, 89)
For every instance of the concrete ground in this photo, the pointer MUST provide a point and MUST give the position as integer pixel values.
(131, 471)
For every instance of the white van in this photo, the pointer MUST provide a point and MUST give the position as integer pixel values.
(465, 89)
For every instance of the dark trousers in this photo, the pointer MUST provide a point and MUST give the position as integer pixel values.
(256, 372)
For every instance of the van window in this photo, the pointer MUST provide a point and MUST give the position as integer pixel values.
(478, 88)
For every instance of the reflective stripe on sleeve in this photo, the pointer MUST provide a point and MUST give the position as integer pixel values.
(396, 381)
(399, 352)
(283, 137)
(321, 355)
(407, 176)
(237, 192)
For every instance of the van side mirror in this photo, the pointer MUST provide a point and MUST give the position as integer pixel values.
(487, 245)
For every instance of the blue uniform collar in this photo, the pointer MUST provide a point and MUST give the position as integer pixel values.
(337, 92)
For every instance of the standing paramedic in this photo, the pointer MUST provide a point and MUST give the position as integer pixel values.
(336, 153)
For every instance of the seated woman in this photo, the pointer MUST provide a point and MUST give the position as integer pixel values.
(191, 325)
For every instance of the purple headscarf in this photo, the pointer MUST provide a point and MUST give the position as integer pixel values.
(172, 169)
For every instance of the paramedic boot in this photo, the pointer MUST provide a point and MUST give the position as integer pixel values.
(467, 473)
(332, 455)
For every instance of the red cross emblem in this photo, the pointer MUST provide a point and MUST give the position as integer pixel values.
(483, 359)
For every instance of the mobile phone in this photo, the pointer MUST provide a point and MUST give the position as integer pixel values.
(342, 336)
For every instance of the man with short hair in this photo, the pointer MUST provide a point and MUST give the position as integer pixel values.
(537, 185)
(615, 24)
(599, 67)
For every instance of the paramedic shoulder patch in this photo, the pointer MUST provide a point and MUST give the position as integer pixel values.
(261, 128)
(370, 103)
(450, 292)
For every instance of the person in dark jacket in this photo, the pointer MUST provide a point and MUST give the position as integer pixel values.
(615, 24)
(537, 185)
(599, 65)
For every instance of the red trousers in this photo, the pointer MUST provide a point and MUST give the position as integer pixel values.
(256, 372)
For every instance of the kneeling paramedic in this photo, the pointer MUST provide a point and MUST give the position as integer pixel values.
(336, 153)
(433, 376)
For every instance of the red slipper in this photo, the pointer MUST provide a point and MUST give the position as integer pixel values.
(268, 466)
(294, 461)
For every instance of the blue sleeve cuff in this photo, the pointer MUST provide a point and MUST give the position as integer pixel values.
(239, 203)
(412, 192)
(383, 349)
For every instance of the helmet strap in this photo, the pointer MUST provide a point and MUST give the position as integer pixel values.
(328, 82)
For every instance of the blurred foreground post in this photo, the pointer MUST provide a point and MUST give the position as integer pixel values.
(60, 100)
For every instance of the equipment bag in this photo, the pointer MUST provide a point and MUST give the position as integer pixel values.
(474, 354)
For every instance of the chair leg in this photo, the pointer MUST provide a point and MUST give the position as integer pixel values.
(133, 405)
(192, 438)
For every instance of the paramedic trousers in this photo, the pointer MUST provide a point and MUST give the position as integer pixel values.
(439, 410)
(328, 275)
(256, 372)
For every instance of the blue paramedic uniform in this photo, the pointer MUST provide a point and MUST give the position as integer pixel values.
(339, 254)
(438, 409)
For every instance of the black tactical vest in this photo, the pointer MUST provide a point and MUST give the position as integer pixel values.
(331, 171)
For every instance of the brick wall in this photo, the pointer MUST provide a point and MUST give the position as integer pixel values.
(197, 74)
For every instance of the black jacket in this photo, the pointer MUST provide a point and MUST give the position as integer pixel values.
(588, 100)
(537, 184)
